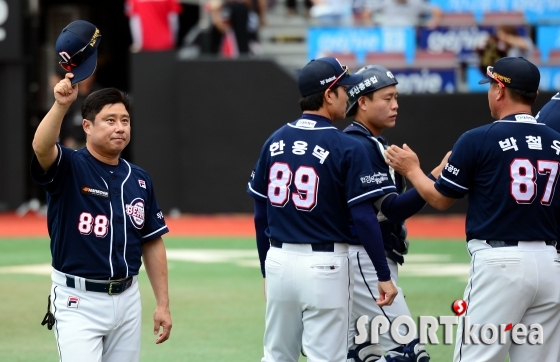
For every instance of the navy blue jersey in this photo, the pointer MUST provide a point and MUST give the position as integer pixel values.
(98, 215)
(387, 181)
(509, 169)
(311, 173)
(550, 113)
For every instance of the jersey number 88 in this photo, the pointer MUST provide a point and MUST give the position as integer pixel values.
(99, 225)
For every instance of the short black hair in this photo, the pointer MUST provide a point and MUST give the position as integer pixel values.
(315, 101)
(521, 96)
(95, 102)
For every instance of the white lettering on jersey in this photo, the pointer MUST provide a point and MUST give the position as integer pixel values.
(452, 169)
(299, 148)
(277, 148)
(556, 146)
(376, 178)
(508, 144)
(534, 143)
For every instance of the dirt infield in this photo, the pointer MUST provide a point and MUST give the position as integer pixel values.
(429, 227)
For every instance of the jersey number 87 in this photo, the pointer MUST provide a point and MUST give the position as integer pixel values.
(306, 182)
(523, 186)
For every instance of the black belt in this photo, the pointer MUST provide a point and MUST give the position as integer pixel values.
(111, 288)
(328, 247)
(502, 243)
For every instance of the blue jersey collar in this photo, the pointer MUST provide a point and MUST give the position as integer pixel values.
(520, 117)
(357, 127)
(312, 121)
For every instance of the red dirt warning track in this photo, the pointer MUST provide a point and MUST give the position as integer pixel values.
(33, 225)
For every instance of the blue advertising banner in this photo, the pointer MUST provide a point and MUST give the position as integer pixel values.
(324, 40)
(548, 38)
(550, 79)
(461, 41)
(426, 81)
(536, 11)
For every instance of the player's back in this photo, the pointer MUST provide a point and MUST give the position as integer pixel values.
(550, 113)
(513, 182)
(307, 177)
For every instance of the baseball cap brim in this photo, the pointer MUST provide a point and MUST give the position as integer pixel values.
(485, 80)
(351, 79)
(84, 70)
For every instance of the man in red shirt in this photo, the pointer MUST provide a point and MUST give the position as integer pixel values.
(153, 23)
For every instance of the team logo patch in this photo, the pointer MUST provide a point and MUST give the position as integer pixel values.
(375, 178)
(306, 123)
(524, 118)
(73, 302)
(142, 183)
(86, 190)
(135, 210)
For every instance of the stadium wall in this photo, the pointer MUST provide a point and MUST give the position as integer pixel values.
(199, 125)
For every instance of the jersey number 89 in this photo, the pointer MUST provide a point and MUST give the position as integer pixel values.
(523, 176)
(306, 182)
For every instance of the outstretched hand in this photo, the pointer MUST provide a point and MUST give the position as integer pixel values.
(64, 92)
(403, 160)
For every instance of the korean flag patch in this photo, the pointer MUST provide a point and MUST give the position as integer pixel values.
(142, 183)
(73, 302)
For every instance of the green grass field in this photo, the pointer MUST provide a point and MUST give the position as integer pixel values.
(216, 294)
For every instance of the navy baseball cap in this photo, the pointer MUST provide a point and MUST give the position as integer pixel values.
(375, 78)
(77, 48)
(321, 74)
(517, 73)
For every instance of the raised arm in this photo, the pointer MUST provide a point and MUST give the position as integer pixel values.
(49, 129)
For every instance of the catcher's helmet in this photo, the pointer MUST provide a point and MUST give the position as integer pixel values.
(375, 77)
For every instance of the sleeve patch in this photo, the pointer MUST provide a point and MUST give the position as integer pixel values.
(376, 178)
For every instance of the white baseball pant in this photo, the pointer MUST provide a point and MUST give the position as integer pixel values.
(309, 296)
(365, 288)
(94, 326)
(512, 284)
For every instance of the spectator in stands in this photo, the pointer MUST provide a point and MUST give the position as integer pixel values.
(154, 24)
(237, 21)
(505, 42)
(291, 7)
(405, 13)
(332, 12)
(514, 44)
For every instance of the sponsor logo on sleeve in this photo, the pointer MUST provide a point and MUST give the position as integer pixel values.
(374, 178)
(86, 190)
